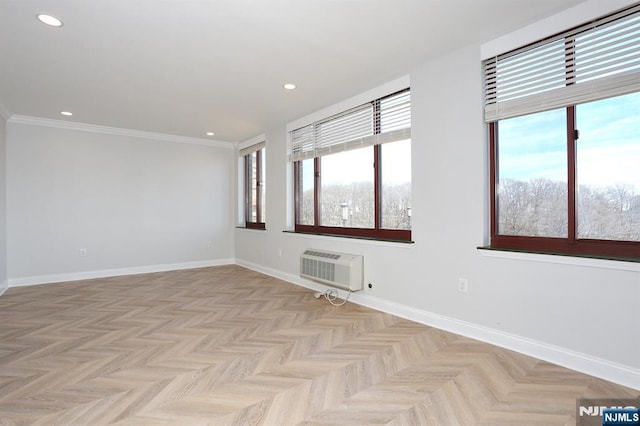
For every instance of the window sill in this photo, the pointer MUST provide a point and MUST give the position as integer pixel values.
(607, 262)
(249, 228)
(350, 237)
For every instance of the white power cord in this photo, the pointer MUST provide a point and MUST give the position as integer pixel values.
(331, 295)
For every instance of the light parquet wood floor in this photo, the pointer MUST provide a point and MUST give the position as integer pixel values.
(229, 346)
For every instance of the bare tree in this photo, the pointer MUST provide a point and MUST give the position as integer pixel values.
(538, 207)
(352, 205)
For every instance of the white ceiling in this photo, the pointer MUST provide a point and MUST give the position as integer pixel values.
(185, 67)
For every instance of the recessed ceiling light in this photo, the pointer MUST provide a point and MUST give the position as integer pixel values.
(289, 86)
(49, 20)
(67, 113)
(210, 133)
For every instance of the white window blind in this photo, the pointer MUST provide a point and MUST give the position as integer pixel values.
(594, 61)
(384, 120)
(251, 148)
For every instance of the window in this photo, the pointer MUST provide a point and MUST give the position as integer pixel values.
(564, 134)
(353, 171)
(254, 183)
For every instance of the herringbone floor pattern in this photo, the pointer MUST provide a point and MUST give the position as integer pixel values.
(229, 346)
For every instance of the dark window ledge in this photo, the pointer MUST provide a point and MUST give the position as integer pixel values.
(552, 253)
(253, 228)
(352, 237)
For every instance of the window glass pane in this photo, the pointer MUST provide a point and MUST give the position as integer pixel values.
(305, 215)
(347, 189)
(263, 187)
(608, 165)
(396, 185)
(532, 175)
(252, 185)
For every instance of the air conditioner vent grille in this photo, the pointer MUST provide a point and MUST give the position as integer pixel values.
(319, 269)
(322, 254)
(340, 270)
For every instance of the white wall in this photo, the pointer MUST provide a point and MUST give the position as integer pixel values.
(135, 204)
(579, 313)
(3, 208)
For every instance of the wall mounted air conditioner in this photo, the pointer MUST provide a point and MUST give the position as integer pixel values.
(339, 270)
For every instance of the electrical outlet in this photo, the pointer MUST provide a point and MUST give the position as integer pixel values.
(83, 252)
(463, 285)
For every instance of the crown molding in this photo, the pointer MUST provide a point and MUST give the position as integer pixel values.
(72, 125)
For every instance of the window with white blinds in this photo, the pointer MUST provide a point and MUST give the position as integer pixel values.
(252, 153)
(595, 61)
(381, 121)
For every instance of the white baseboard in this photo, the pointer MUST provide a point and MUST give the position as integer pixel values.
(584, 363)
(4, 286)
(87, 275)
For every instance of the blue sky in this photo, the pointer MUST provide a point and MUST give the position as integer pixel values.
(608, 149)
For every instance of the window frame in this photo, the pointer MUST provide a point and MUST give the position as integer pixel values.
(248, 190)
(377, 232)
(571, 245)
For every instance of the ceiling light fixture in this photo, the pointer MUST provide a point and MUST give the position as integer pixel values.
(289, 86)
(210, 133)
(52, 21)
(67, 113)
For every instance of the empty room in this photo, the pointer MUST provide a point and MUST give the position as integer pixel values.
(319, 212)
